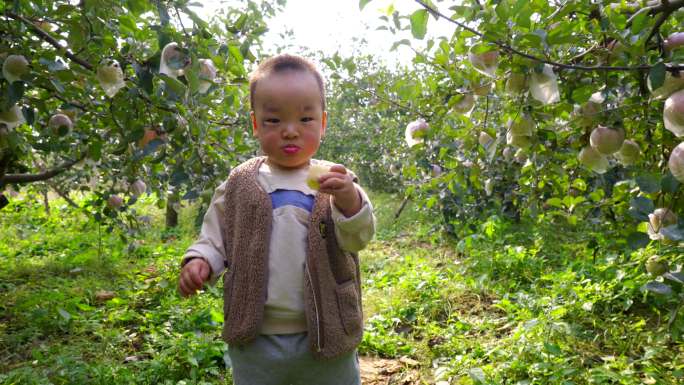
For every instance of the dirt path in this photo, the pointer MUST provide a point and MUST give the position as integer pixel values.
(380, 371)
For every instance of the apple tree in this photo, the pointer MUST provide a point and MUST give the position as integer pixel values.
(119, 98)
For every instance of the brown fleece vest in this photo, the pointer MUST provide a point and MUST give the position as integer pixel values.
(332, 291)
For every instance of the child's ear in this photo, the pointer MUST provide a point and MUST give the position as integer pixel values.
(324, 123)
(252, 116)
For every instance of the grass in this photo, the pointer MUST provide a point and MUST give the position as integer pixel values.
(511, 304)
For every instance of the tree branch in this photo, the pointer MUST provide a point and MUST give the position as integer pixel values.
(49, 39)
(667, 8)
(64, 195)
(28, 178)
(508, 48)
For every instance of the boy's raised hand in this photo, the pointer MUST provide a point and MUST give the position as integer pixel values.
(338, 183)
(193, 275)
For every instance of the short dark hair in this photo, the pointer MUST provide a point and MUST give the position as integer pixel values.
(281, 63)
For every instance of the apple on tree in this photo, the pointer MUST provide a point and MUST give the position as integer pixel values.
(673, 114)
(544, 85)
(676, 162)
(14, 67)
(60, 124)
(435, 170)
(12, 117)
(593, 160)
(659, 218)
(111, 77)
(463, 103)
(516, 84)
(114, 202)
(415, 131)
(607, 140)
(138, 188)
(674, 41)
(207, 75)
(629, 154)
(671, 84)
(173, 61)
(485, 139)
(484, 59)
(656, 266)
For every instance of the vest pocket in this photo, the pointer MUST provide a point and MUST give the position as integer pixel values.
(348, 304)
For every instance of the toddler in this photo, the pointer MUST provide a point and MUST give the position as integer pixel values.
(292, 294)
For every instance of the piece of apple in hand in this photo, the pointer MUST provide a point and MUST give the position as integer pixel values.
(315, 172)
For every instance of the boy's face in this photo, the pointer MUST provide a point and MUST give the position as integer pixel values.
(288, 117)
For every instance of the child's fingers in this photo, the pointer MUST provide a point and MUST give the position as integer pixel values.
(184, 289)
(338, 168)
(196, 278)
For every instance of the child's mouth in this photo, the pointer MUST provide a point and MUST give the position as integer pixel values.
(290, 149)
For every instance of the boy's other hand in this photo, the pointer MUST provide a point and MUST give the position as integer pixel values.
(338, 183)
(193, 275)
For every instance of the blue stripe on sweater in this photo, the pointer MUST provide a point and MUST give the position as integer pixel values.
(295, 198)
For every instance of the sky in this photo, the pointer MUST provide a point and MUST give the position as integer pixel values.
(333, 25)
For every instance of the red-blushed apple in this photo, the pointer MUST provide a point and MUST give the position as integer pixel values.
(60, 124)
(673, 113)
(676, 162)
(138, 188)
(148, 136)
(674, 41)
(114, 202)
(607, 140)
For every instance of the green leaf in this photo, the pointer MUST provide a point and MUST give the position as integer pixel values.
(65, 314)
(638, 240)
(658, 288)
(419, 21)
(174, 84)
(553, 349)
(677, 277)
(673, 232)
(478, 376)
(657, 75)
(640, 207)
(648, 183)
(640, 20)
(363, 3)
(555, 202)
(669, 183)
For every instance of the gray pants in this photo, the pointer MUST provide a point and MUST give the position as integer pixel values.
(285, 359)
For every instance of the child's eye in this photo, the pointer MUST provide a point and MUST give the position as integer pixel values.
(272, 120)
(307, 119)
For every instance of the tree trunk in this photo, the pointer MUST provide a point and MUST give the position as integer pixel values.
(46, 201)
(171, 213)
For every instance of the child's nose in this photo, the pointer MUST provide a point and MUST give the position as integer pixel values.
(290, 130)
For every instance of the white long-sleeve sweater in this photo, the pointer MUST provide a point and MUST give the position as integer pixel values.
(292, 201)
